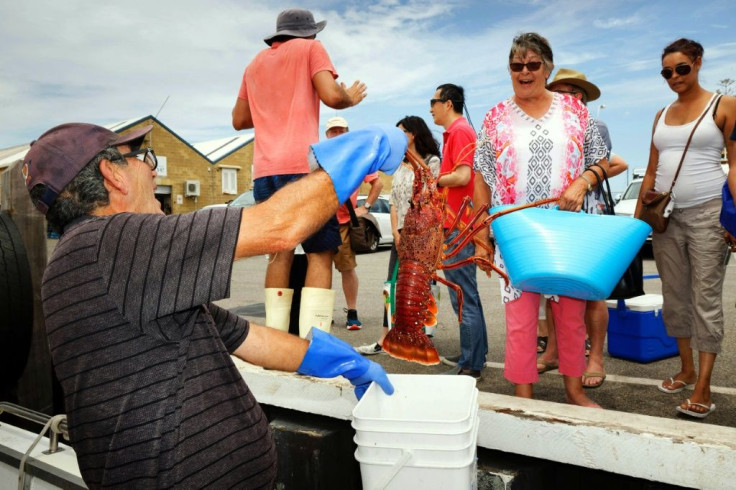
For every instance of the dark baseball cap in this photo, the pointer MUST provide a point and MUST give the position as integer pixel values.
(60, 153)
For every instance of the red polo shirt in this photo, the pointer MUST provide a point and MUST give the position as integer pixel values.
(458, 148)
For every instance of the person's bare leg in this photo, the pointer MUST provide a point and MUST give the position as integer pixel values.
(596, 323)
(279, 269)
(319, 270)
(687, 372)
(524, 390)
(575, 394)
(701, 392)
(350, 288)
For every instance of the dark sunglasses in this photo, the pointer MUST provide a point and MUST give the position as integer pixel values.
(681, 70)
(434, 101)
(145, 155)
(531, 66)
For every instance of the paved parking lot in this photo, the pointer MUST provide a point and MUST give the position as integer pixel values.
(629, 387)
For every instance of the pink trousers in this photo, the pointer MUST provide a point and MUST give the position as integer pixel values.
(520, 366)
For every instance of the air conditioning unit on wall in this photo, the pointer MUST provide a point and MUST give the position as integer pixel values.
(191, 188)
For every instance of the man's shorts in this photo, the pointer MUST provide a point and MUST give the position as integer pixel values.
(325, 239)
(345, 257)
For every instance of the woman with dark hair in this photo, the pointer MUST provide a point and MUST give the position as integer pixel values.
(537, 145)
(690, 253)
(423, 144)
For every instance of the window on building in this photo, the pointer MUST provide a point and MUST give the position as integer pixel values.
(229, 181)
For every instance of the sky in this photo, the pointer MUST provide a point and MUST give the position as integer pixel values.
(183, 60)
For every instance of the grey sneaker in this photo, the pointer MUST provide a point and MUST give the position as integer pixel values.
(451, 360)
(370, 349)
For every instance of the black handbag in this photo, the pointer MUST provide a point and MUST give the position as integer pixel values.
(631, 283)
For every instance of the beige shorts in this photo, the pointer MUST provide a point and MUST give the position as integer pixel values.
(344, 258)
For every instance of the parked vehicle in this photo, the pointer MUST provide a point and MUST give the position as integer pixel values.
(381, 211)
(244, 200)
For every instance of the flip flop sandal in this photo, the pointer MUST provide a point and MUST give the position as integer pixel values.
(593, 374)
(672, 381)
(697, 415)
(548, 366)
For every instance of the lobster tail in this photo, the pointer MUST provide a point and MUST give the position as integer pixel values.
(411, 346)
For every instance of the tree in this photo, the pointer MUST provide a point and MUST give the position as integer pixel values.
(726, 86)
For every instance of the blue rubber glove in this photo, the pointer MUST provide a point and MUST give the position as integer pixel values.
(349, 157)
(328, 357)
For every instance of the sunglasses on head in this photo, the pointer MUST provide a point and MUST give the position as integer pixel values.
(682, 70)
(531, 66)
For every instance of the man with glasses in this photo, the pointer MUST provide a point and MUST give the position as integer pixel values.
(141, 351)
(576, 84)
(280, 97)
(456, 174)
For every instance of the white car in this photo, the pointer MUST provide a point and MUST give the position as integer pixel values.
(381, 210)
(627, 204)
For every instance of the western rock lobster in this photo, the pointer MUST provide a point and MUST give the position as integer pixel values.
(421, 252)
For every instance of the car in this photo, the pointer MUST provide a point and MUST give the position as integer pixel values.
(627, 204)
(381, 210)
(244, 200)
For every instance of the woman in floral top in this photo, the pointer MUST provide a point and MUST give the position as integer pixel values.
(423, 144)
(536, 145)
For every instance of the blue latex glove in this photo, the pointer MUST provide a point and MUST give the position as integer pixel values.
(348, 158)
(328, 357)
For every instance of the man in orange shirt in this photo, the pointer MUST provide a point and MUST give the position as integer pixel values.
(279, 96)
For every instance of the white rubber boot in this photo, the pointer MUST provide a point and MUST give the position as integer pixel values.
(278, 308)
(316, 310)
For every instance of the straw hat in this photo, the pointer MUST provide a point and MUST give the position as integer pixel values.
(578, 79)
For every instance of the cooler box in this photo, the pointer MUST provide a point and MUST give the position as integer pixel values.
(636, 330)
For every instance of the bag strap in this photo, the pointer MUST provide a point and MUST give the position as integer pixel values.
(353, 218)
(605, 190)
(682, 159)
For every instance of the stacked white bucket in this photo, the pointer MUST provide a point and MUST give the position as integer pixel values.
(423, 436)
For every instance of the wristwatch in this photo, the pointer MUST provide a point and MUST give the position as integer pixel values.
(367, 205)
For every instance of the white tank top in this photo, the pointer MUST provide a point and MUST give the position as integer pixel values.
(701, 176)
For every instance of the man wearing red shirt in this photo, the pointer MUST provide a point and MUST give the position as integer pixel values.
(456, 174)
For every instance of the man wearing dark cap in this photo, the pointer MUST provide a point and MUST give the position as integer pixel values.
(280, 96)
(142, 353)
(576, 84)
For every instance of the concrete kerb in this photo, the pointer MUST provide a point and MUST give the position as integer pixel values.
(629, 444)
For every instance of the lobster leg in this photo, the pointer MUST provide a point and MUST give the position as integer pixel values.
(457, 290)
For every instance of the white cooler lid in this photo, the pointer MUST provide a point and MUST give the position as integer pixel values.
(646, 302)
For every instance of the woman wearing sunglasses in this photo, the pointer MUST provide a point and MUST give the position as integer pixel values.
(537, 145)
(690, 253)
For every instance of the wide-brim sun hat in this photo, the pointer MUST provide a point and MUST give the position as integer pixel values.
(578, 79)
(297, 23)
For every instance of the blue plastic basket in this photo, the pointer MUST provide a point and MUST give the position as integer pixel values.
(571, 254)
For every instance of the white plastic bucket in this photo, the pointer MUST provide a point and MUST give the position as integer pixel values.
(419, 440)
(422, 436)
(420, 403)
(401, 476)
(421, 456)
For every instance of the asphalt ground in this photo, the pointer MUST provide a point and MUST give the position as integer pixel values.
(629, 387)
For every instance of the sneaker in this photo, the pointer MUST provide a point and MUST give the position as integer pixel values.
(370, 349)
(451, 360)
(353, 324)
(465, 371)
